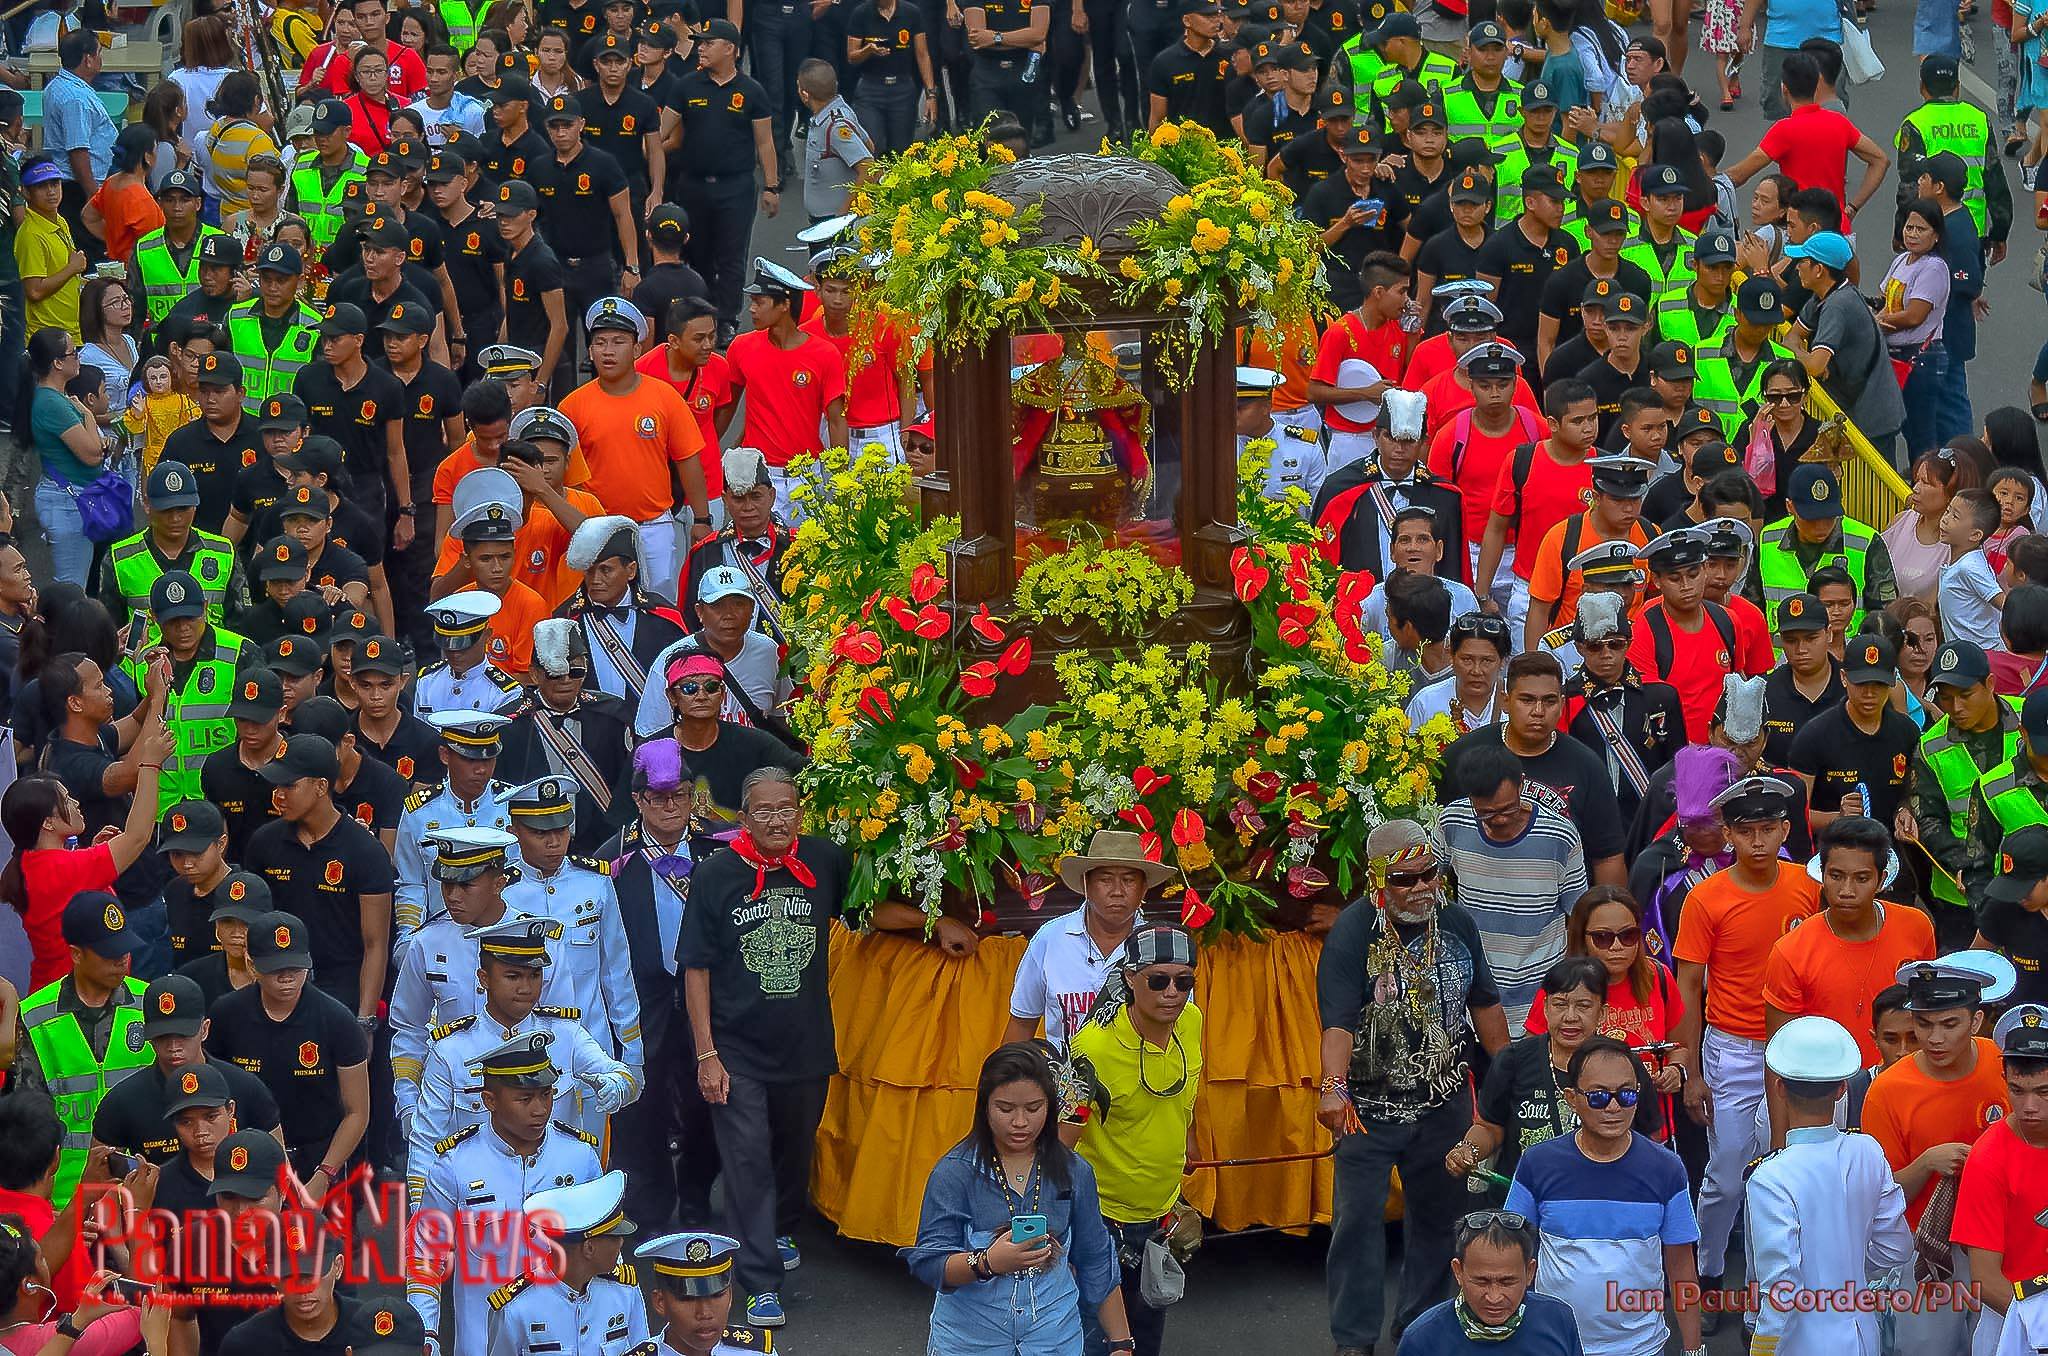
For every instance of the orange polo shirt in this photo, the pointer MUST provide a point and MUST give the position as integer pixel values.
(512, 629)
(539, 547)
(630, 441)
(462, 461)
(1812, 972)
(1731, 931)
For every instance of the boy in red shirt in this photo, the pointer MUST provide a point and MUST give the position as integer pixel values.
(689, 361)
(1539, 487)
(797, 380)
(1470, 448)
(1813, 144)
(1372, 339)
(2004, 1186)
(1683, 639)
(878, 384)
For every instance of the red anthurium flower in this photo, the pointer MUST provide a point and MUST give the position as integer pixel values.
(1295, 621)
(1188, 828)
(954, 838)
(1264, 786)
(867, 609)
(1147, 781)
(985, 625)
(1035, 888)
(1303, 789)
(1299, 827)
(1194, 913)
(1138, 816)
(1245, 818)
(900, 613)
(1017, 657)
(978, 680)
(1296, 575)
(1029, 814)
(930, 622)
(1247, 576)
(875, 705)
(1260, 862)
(925, 584)
(1152, 846)
(988, 918)
(862, 647)
(1303, 881)
(971, 773)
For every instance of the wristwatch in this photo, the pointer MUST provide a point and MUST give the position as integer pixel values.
(66, 1328)
(408, 510)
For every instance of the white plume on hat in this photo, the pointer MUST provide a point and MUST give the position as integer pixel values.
(1600, 615)
(1403, 415)
(1742, 707)
(553, 642)
(745, 468)
(590, 538)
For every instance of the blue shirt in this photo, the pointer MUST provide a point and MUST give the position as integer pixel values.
(1565, 73)
(75, 119)
(1787, 23)
(1547, 1329)
(1960, 246)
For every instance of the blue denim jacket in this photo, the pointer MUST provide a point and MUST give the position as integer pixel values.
(964, 1209)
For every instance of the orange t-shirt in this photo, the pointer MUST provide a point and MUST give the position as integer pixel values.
(1731, 931)
(1812, 972)
(1290, 352)
(1551, 582)
(462, 461)
(1909, 1112)
(130, 213)
(539, 546)
(512, 629)
(630, 441)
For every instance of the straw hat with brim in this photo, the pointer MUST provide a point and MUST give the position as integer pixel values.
(1111, 847)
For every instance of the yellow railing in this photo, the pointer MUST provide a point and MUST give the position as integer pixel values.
(1873, 493)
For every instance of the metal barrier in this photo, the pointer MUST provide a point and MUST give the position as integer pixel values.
(1873, 492)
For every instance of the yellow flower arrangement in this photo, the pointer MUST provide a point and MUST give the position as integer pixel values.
(1122, 590)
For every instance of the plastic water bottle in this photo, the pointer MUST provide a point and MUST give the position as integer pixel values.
(1031, 68)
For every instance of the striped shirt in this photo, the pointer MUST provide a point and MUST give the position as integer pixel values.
(1518, 892)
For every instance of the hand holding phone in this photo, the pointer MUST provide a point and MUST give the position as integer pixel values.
(1027, 1230)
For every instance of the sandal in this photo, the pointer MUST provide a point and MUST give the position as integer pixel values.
(2041, 413)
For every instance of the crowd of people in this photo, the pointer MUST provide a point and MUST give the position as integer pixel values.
(402, 787)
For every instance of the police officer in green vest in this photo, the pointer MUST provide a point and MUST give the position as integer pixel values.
(1978, 730)
(1661, 248)
(273, 333)
(1731, 372)
(1396, 54)
(166, 262)
(170, 542)
(86, 1028)
(2016, 791)
(1818, 533)
(318, 186)
(1485, 104)
(1534, 143)
(204, 659)
(220, 263)
(1945, 121)
(1704, 312)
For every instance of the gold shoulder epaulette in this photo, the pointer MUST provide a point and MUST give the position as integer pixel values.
(597, 864)
(752, 1339)
(506, 1293)
(580, 1133)
(448, 1029)
(571, 1014)
(422, 796)
(442, 1146)
(625, 1275)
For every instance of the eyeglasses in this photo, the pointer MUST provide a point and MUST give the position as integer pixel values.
(1514, 1221)
(576, 673)
(1600, 1098)
(1480, 624)
(785, 815)
(1605, 939)
(690, 687)
(665, 799)
(1782, 397)
(1407, 879)
(1603, 646)
(1179, 983)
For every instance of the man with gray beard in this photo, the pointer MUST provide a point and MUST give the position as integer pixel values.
(1402, 983)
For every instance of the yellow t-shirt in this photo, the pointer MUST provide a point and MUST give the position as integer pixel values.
(1138, 1148)
(42, 246)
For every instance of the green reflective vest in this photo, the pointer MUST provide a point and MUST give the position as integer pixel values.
(197, 713)
(1468, 117)
(136, 568)
(1680, 319)
(164, 284)
(267, 371)
(1958, 126)
(1574, 224)
(77, 1079)
(1958, 775)
(2011, 802)
(1515, 159)
(1716, 388)
(319, 203)
(1373, 77)
(1664, 282)
(460, 20)
(1783, 575)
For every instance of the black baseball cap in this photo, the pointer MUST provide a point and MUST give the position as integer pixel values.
(220, 251)
(669, 224)
(304, 756)
(405, 318)
(191, 826)
(281, 558)
(1710, 459)
(1673, 361)
(1607, 217)
(199, 1085)
(281, 412)
(1801, 612)
(446, 166)
(294, 656)
(516, 195)
(175, 1006)
(1959, 664)
(384, 233)
(378, 654)
(220, 369)
(562, 108)
(259, 695)
(243, 896)
(2022, 864)
(248, 1162)
(1760, 300)
(1696, 420)
(513, 89)
(94, 920)
(345, 318)
(719, 30)
(277, 941)
(1870, 659)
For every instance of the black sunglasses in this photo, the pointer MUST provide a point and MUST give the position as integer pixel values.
(1408, 878)
(690, 687)
(1480, 624)
(1512, 1220)
(1160, 983)
(1600, 1098)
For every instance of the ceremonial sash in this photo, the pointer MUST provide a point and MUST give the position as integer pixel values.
(771, 606)
(1624, 752)
(620, 653)
(575, 759)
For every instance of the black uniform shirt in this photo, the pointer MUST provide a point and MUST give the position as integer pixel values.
(473, 247)
(1270, 122)
(1193, 84)
(617, 129)
(356, 418)
(299, 1059)
(1566, 288)
(414, 750)
(1787, 711)
(514, 161)
(718, 123)
(1523, 267)
(1307, 159)
(897, 67)
(576, 203)
(375, 799)
(433, 394)
(530, 275)
(131, 1116)
(215, 461)
(240, 793)
(321, 884)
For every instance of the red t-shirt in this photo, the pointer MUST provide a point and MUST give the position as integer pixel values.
(795, 384)
(1477, 473)
(1699, 662)
(872, 395)
(1448, 398)
(1752, 636)
(2000, 1200)
(1553, 492)
(708, 391)
(1384, 346)
(40, 1216)
(51, 877)
(1640, 1022)
(1812, 145)
(1431, 359)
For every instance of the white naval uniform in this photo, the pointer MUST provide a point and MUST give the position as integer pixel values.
(1564, 647)
(1734, 1069)
(1824, 1215)
(484, 688)
(592, 970)
(417, 896)
(2025, 1332)
(436, 986)
(738, 1341)
(475, 1171)
(451, 1090)
(1297, 460)
(608, 1319)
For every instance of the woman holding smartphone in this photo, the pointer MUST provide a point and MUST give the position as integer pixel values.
(1011, 1234)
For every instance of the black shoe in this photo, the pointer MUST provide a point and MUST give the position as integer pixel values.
(1070, 114)
(1710, 1317)
(1041, 136)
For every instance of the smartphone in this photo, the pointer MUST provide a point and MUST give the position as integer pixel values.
(120, 1164)
(135, 1291)
(1027, 1229)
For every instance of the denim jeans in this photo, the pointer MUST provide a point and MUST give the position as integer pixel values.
(1923, 396)
(1148, 1325)
(70, 552)
(1953, 418)
(1433, 1201)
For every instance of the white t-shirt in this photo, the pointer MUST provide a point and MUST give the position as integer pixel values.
(1964, 596)
(1060, 975)
(1435, 700)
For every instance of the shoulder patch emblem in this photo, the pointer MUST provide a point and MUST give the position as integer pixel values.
(505, 1294)
(442, 1146)
(421, 797)
(448, 1029)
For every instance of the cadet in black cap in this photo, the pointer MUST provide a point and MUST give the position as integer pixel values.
(622, 121)
(1524, 253)
(1857, 758)
(586, 199)
(358, 406)
(431, 424)
(726, 118)
(1270, 124)
(2014, 916)
(1600, 227)
(1356, 214)
(232, 777)
(471, 251)
(536, 305)
(388, 278)
(220, 264)
(220, 442)
(1311, 157)
(1185, 81)
(668, 279)
(511, 146)
(136, 1116)
(1808, 684)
